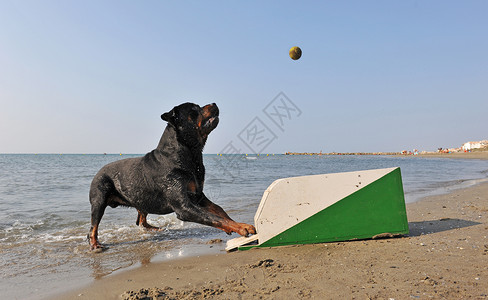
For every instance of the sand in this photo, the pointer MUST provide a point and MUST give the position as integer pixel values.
(445, 256)
(459, 155)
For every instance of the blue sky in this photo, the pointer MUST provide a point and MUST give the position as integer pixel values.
(95, 76)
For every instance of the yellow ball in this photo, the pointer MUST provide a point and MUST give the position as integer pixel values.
(295, 53)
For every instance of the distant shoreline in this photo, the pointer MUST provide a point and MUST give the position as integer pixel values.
(458, 155)
(343, 153)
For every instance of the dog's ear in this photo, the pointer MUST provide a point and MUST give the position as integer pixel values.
(169, 116)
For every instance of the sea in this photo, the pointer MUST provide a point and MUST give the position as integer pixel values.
(45, 211)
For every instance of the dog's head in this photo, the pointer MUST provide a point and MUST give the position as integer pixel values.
(193, 123)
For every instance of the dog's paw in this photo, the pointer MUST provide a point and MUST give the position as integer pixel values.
(246, 229)
(97, 248)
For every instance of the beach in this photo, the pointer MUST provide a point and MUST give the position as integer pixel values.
(458, 155)
(445, 256)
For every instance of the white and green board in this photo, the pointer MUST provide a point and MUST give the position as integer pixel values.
(328, 208)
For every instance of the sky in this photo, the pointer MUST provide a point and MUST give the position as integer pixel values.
(95, 76)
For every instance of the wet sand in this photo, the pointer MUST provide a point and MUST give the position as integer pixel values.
(445, 256)
(459, 155)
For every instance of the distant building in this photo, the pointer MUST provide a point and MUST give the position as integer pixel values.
(474, 145)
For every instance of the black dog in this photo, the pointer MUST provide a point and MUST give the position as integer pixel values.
(167, 179)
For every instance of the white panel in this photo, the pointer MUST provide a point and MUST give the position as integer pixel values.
(289, 201)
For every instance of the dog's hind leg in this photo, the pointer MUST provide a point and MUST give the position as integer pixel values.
(96, 216)
(99, 201)
(142, 221)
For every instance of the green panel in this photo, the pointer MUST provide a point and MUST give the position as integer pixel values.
(374, 209)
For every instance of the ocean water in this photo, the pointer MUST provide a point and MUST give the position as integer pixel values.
(45, 211)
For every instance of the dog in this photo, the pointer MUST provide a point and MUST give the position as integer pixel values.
(168, 179)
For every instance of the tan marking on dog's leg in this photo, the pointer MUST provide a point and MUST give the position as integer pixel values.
(94, 243)
(142, 221)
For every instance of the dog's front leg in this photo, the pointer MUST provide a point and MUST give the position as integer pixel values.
(228, 225)
(213, 208)
(210, 214)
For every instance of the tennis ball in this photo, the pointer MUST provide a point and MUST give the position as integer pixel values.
(295, 53)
